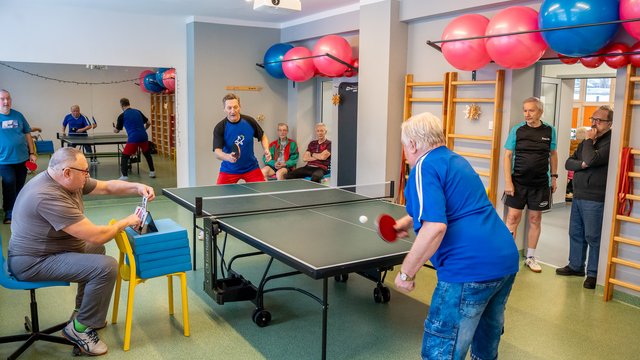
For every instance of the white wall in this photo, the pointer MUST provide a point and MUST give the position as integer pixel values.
(65, 35)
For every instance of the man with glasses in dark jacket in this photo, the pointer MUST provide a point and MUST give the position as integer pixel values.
(590, 163)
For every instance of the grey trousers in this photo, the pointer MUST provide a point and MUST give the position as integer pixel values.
(94, 272)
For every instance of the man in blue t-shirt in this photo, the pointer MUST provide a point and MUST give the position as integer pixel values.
(16, 147)
(233, 144)
(78, 125)
(457, 229)
(136, 125)
(530, 152)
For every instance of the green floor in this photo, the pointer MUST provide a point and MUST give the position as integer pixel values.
(548, 317)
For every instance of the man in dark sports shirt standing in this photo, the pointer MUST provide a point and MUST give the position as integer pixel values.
(530, 159)
(233, 144)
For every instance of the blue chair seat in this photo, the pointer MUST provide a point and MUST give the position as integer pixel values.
(33, 324)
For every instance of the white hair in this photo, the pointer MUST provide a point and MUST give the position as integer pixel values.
(425, 130)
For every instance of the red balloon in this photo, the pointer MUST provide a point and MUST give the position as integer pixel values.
(617, 61)
(169, 80)
(336, 46)
(568, 60)
(630, 9)
(635, 59)
(466, 54)
(352, 72)
(141, 80)
(298, 70)
(515, 51)
(592, 62)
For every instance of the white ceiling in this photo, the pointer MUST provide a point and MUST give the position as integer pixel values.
(229, 10)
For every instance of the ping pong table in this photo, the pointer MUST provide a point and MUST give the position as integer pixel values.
(312, 228)
(96, 140)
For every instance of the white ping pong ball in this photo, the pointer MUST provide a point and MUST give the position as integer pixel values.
(363, 219)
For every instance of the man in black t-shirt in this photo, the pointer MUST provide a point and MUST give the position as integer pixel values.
(530, 154)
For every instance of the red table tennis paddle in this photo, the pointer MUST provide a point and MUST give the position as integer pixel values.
(236, 152)
(385, 226)
(31, 166)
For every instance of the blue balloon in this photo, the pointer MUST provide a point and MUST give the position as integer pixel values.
(159, 74)
(578, 41)
(151, 84)
(273, 57)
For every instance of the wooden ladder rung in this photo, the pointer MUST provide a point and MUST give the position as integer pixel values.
(624, 283)
(623, 240)
(470, 137)
(474, 100)
(475, 155)
(483, 173)
(624, 262)
(425, 100)
(426, 83)
(634, 102)
(634, 174)
(628, 219)
(632, 197)
(635, 152)
(472, 82)
(634, 79)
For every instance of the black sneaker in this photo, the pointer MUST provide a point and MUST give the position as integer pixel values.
(567, 271)
(590, 282)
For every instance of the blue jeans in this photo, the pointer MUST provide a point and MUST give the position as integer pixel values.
(585, 228)
(463, 315)
(13, 179)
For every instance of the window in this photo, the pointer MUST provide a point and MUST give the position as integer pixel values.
(598, 90)
(576, 89)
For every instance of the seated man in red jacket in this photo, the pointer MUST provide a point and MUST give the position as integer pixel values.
(317, 156)
(284, 155)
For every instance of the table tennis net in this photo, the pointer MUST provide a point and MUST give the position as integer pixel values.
(258, 202)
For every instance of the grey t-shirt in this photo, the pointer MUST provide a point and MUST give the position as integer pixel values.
(43, 208)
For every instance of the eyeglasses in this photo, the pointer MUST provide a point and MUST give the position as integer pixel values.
(85, 172)
(599, 121)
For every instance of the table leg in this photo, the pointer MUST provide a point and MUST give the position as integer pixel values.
(194, 240)
(325, 308)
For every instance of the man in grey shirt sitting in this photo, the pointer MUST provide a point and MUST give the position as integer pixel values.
(52, 240)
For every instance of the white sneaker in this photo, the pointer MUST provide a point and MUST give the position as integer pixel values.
(152, 174)
(532, 263)
(123, 178)
(88, 341)
(201, 235)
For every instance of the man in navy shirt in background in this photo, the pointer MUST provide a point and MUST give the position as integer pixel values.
(79, 125)
(136, 125)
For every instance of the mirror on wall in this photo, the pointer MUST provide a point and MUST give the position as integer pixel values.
(44, 94)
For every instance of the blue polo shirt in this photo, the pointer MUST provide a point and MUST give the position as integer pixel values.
(477, 246)
(75, 124)
(13, 144)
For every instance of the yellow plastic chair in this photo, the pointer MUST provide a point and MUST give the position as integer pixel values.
(128, 272)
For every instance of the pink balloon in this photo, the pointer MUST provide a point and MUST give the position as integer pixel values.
(635, 59)
(141, 80)
(515, 51)
(169, 80)
(466, 54)
(630, 9)
(298, 70)
(336, 46)
(616, 61)
(352, 72)
(592, 62)
(567, 59)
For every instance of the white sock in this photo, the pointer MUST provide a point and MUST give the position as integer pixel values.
(531, 252)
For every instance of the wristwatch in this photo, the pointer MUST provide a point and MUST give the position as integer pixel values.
(405, 277)
(554, 176)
